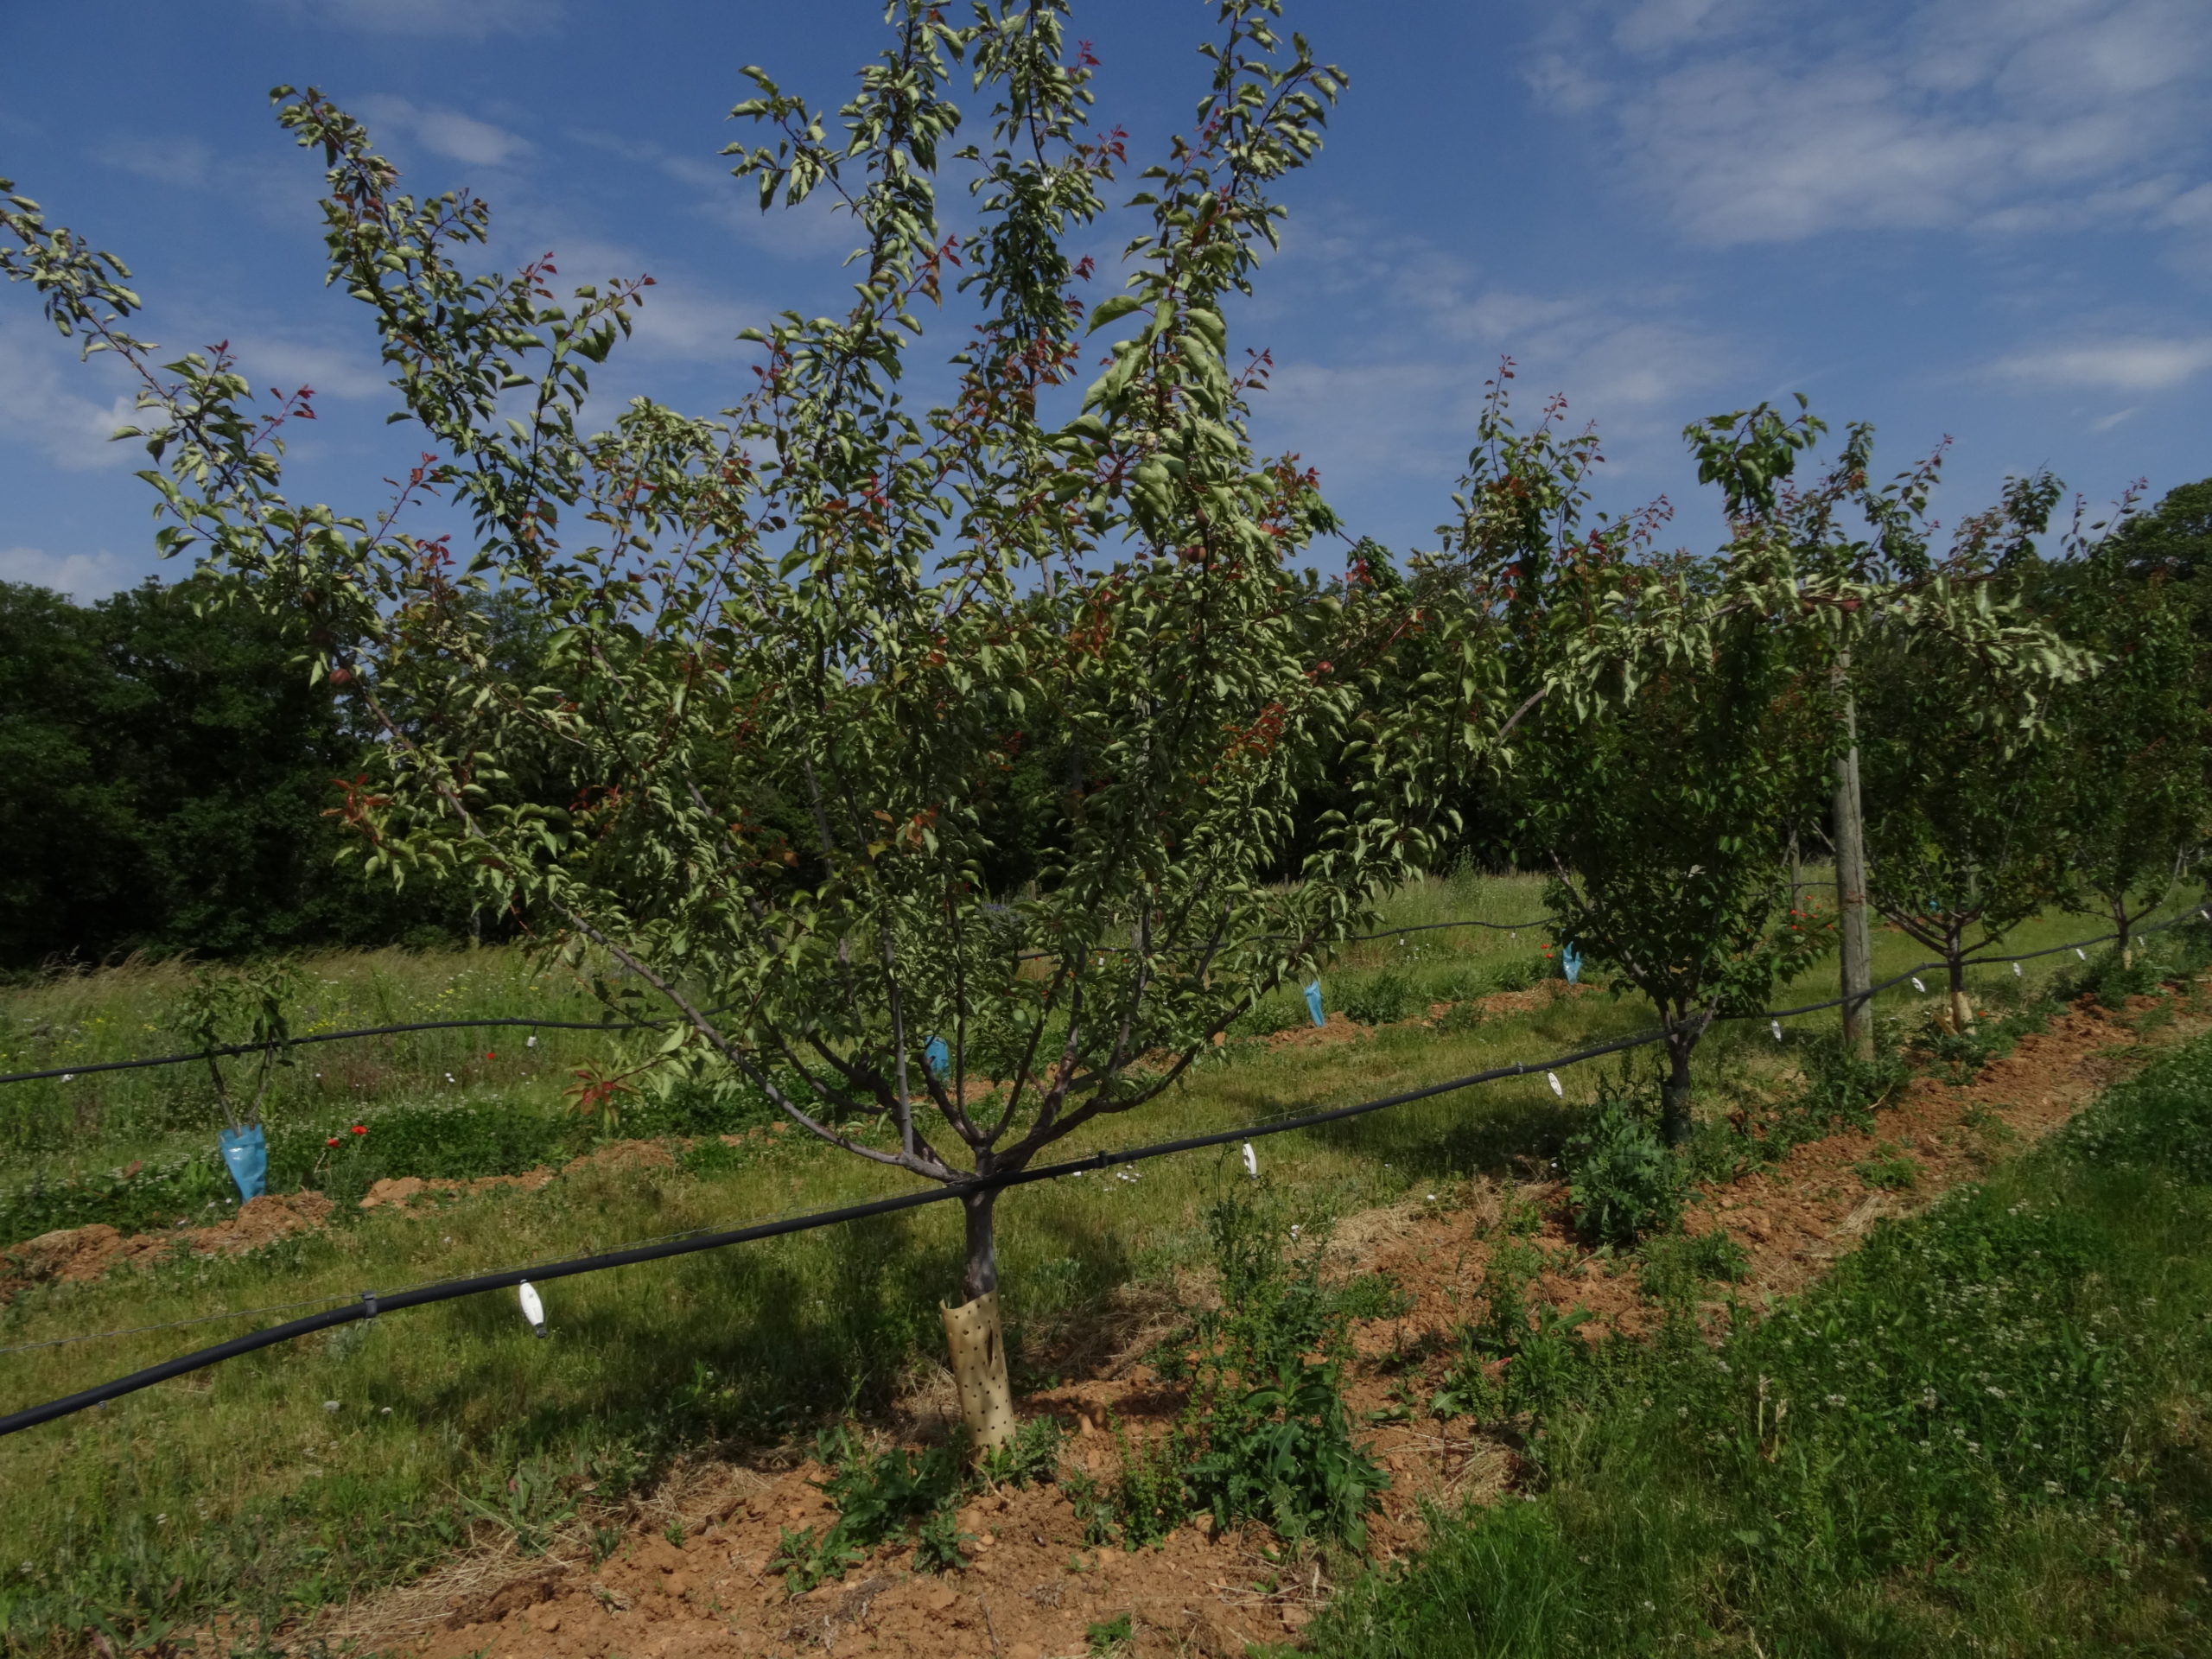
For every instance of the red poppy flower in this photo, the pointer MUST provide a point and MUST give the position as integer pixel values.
(332, 1142)
(360, 1128)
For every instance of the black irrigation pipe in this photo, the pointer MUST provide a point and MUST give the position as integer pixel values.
(326, 1037)
(370, 1303)
(541, 1025)
(2193, 914)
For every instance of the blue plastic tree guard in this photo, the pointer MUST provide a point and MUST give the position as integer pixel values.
(245, 1155)
(1314, 1002)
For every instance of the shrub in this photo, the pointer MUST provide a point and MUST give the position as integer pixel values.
(1519, 974)
(1624, 1181)
(1889, 1169)
(1383, 998)
(1032, 1456)
(139, 1198)
(1842, 1090)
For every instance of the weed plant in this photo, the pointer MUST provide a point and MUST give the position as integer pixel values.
(1380, 1000)
(1626, 1181)
(1266, 1436)
(881, 1496)
(1519, 1357)
(1984, 1432)
(1888, 1169)
(1676, 1269)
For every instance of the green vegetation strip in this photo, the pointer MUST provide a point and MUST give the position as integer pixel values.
(1985, 1432)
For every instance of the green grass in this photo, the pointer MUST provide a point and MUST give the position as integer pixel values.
(1985, 1434)
(238, 1489)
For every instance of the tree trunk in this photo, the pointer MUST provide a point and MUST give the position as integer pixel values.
(1675, 1092)
(1856, 937)
(974, 1337)
(2126, 941)
(1961, 1004)
(982, 1275)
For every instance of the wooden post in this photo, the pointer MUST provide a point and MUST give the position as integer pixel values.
(1858, 942)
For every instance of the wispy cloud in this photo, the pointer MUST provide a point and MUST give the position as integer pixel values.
(52, 405)
(1420, 334)
(448, 132)
(83, 577)
(332, 368)
(2133, 364)
(1753, 124)
(183, 162)
(819, 226)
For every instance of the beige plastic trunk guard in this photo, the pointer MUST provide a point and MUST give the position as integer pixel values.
(978, 1348)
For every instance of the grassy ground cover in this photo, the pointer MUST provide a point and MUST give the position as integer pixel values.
(1986, 1433)
(493, 1102)
(306, 1473)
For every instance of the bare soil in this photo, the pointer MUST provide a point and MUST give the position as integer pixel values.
(75, 1255)
(1033, 1588)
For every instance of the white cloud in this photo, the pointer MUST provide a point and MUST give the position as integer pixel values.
(2191, 207)
(1402, 399)
(1654, 25)
(286, 363)
(449, 132)
(184, 162)
(83, 577)
(1562, 82)
(679, 321)
(50, 404)
(2133, 364)
(2004, 116)
(465, 19)
(819, 226)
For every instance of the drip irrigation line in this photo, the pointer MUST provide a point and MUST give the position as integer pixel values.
(370, 1304)
(520, 1022)
(231, 1049)
(1277, 938)
(2192, 915)
(329, 1037)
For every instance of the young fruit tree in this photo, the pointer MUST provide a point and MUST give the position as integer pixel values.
(1682, 719)
(1960, 839)
(2128, 789)
(792, 654)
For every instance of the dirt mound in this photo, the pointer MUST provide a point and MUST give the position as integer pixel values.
(397, 1192)
(1338, 1029)
(75, 1255)
(79, 1253)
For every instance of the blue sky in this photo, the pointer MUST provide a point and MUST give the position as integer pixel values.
(1989, 219)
